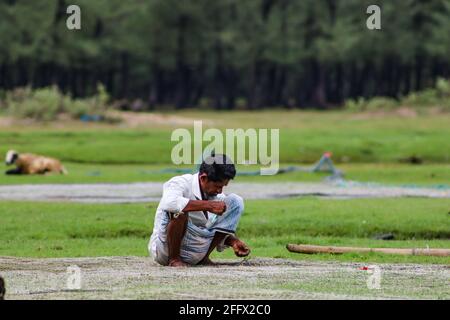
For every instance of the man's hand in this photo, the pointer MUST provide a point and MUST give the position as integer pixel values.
(217, 207)
(239, 247)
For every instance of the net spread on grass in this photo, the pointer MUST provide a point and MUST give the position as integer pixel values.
(141, 278)
(152, 191)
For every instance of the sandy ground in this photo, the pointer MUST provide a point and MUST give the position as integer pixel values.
(127, 119)
(151, 191)
(140, 278)
(132, 119)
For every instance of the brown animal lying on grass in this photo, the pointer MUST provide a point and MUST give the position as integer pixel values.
(28, 163)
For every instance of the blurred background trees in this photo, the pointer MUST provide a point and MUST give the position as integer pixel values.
(226, 54)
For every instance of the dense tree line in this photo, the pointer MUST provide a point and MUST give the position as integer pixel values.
(226, 53)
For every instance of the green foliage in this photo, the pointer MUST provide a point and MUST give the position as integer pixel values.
(205, 104)
(374, 104)
(241, 104)
(433, 97)
(40, 104)
(77, 108)
(46, 104)
(443, 87)
(439, 96)
(378, 103)
(95, 105)
(270, 52)
(422, 99)
(355, 104)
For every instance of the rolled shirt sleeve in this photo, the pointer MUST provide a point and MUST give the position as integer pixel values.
(173, 199)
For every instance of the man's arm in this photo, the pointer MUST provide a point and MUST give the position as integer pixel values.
(216, 207)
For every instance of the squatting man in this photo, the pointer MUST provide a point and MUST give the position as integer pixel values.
(194, 216)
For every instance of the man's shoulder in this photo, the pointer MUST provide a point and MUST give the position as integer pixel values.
(182, 179)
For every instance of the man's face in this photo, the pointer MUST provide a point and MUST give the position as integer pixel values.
(211, 188)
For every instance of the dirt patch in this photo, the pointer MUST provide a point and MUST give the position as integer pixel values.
(124, 119)
(403, 112)
(6, 121)
(133, 119)
(141, 278)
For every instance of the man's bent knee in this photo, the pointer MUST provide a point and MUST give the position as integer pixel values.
(235, 201)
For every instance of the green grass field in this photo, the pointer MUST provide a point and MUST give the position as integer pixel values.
(386, 173)
(368, 148)
(304, 136)
(75, 230)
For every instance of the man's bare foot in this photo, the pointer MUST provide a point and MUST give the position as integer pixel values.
(240, 248)
(207, 262)
(177, 263)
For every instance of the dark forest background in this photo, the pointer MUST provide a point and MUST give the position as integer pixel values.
(226, 53)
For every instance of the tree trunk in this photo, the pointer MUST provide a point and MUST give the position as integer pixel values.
(319, 98)
(124, 75)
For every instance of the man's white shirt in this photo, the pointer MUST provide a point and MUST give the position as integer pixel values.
(177, 192)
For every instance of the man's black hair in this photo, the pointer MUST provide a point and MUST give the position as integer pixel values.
(218, 168)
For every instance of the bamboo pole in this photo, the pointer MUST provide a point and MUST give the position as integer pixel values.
(311, 249)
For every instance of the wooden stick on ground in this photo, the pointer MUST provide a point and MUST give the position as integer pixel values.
(311, 249)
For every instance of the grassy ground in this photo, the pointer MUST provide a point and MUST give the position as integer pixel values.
(304, 136)
(75, 230)
(386, 173)
(367, 147)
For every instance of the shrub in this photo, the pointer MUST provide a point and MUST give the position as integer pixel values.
(241, 104)
(381, 103)
(2, 101)
(205, 104)
(425, 98)
(443, 91)
(77, 108)
(355, 104)
(443, 88)
(439, 96)
(47, 104)
(40, 104)
(376, 103)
